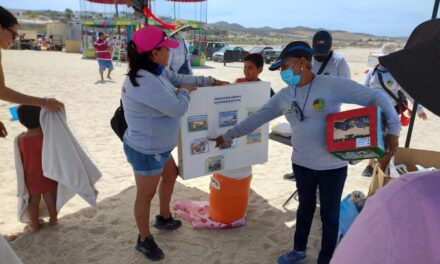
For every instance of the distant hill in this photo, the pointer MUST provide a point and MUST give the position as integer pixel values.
(236, 33)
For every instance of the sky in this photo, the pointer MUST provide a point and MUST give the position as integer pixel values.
(396, 18)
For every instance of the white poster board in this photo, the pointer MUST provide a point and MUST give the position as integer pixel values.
(212, 112)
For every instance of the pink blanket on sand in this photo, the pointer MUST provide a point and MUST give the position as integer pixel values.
(197, 213)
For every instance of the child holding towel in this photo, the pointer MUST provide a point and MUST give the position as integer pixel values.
(30, 145)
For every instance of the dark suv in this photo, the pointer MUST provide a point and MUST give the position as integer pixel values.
(271, 55)
(213, 47)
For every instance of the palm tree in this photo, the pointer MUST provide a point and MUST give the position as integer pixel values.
(69, 14)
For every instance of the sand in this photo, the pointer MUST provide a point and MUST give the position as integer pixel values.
(107, 235)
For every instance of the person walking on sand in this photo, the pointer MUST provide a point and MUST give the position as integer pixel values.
(103, 55)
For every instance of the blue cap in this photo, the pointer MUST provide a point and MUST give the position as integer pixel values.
(322, 43)
(295, 49)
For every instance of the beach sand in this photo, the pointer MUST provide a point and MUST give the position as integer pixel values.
(108, 234)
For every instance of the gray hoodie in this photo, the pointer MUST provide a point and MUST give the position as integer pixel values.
(153, 109)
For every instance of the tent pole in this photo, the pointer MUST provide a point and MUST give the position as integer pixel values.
(435, 10)
(413, 116)
(147, 5)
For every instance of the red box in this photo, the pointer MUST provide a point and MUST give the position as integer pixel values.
(356, 134)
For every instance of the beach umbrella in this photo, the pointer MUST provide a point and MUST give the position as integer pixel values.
(416, 67)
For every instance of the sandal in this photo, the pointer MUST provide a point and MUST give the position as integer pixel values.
(167, 224)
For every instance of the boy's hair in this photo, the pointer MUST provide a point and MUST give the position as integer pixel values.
(256, 58)
(29, 116)
(100, 34)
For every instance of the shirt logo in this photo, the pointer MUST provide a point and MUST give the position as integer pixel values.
(389, 83)
(319, 104)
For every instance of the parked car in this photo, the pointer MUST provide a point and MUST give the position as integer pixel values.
(236, 54)
(271, 55)
(212, 47)
(259, 49)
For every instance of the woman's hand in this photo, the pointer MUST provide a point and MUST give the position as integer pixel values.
(219, 83)
(391, 144)
(53, 105)
(220, 142)
(3, 131)
(187, 87)
(423, 116)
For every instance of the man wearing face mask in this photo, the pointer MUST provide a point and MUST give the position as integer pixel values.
(326, 61)
(306, 102)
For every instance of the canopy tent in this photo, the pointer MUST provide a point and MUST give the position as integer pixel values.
(416, 66)
(106, 16)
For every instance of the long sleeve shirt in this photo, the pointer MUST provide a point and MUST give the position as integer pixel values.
(337, 66)
(153, 109)
(326, 95)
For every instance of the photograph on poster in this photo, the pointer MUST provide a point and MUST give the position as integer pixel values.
(199, 146)
(214, 164)
(252, 110)
(229, 118)
(254, 137)
(197, 123)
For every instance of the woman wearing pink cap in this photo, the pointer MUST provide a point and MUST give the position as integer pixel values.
(154, 99)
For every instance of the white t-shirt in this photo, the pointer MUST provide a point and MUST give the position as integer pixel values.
(337, 66)
(372, 81)
(179, 56)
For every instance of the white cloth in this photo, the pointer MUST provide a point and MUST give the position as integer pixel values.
(337, 66)
(7, 255)
(63, 161)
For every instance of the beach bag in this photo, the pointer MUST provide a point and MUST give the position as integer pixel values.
(118, 123)
(347, 214)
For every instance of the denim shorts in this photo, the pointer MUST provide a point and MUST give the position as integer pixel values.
(105, 64)
(145, 164)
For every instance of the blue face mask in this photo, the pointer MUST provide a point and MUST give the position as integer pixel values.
(290, 78)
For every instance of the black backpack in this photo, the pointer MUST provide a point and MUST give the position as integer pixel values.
(118, 123)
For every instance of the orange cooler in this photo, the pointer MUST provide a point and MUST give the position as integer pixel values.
(229, 195)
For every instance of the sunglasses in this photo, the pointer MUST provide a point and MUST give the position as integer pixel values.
(164, 37)
(295, 108)
(13, 33)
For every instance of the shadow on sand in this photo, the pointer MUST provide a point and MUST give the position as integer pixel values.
(108, 235)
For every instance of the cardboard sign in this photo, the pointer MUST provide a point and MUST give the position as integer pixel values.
(356, 134)
(212, 112)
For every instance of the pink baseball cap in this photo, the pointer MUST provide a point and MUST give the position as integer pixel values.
(151, 37)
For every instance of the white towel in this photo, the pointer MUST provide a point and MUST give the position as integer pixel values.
(7, 255)
(63, 161)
